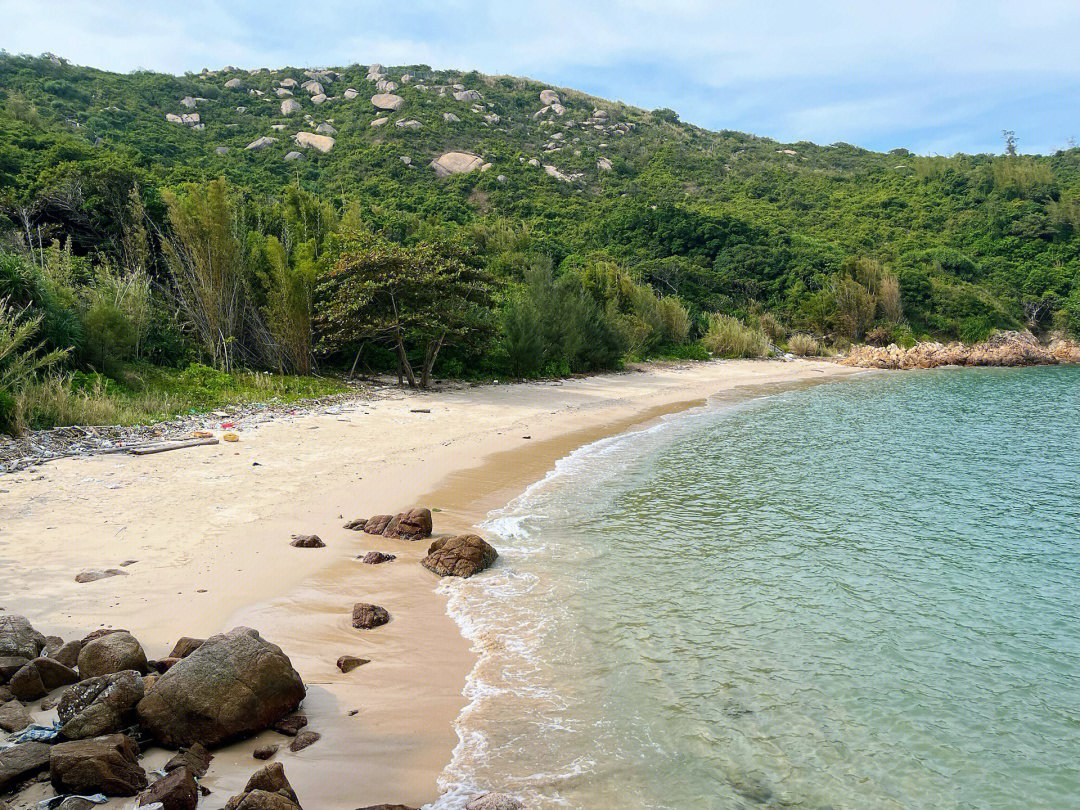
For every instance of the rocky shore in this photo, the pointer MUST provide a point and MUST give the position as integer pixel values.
(80, 714)
(1001, 349)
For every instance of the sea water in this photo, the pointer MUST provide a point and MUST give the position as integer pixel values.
(864, 594)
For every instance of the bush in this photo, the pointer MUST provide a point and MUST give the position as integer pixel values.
(803, 345)
(729, 337)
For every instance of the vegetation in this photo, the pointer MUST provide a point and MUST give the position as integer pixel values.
(129, 242)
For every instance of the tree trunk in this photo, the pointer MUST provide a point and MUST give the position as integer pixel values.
(356, 360)
(429, 360)
(403, 360)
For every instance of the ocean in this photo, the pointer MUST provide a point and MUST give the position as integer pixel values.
(863, 594)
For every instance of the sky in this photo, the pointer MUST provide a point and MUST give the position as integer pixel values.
(936, 77)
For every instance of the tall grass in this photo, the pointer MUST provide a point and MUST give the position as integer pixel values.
(729, 337)
(803, 345)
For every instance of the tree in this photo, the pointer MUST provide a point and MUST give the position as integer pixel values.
(413, 299)
(1010, 142)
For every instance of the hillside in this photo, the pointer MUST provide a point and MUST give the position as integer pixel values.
(815, 239)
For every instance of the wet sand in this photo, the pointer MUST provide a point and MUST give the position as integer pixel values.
(209, 528)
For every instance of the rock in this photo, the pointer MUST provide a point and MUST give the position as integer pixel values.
(325, 129)
(350, 94)
(177, 790)
(492, 118)
(234, 84)
(314, 88)
(494, 801)
(321, 143)
(307, 541)
(271, 781)
(378, 122)
(290, 726)
(112, 653)
(347, 663)
(100, 705)
(173, 118)
(261, 143)
(303, 740)
(414, 524)
(1000, 349)
(18, 639)
(449, 116)
(388, 807)
(467, 95)
(265, 751)
(15, 717)
(410, 123)
(283, 92)
(502, 178)
(289, 106)
(534, 162)
(549, 97)
(365, 616)
(486, 166)
(387, 101)
(603, 164)
(76, 803)
(189, 102)
(294, 155)
(318, 98)
(22, 761)
(377, 557)
(236, 683)
(185, 646)
(460, 556)
(288, 83)
(94, 574)
(39, 677)
(102, 765)
(196, 759)
(558, 109)
(68, 654)
(406, 160)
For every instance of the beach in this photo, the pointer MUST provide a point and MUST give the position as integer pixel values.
(208, 529)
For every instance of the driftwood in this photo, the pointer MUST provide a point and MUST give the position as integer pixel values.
(164, 447)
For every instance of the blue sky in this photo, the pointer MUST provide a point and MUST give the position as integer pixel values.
(935, 77)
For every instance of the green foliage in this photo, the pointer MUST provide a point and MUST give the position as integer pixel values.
(20, 361)
(729, 337)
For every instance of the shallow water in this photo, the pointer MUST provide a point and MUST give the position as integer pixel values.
(864, 594)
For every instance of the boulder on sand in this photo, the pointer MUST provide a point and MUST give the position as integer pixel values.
(460, 556)
(106, 765)
(387, 101)
(100, 705)
(236, 683)
(455, 163)
(196, 759)
(347, 663)
(185, 646)
(365, 616)
(176, 791)
(290, 726)
(19, 642)
(267, 789)
(15, 717)
(68, 653)
(21, 762)
(114, 652)
(40, 677)
(415, 524)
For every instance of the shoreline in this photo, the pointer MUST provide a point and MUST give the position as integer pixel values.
(210, 531)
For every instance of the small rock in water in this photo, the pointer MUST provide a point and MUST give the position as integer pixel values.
(365, 616)
(290, 726)
(307, 541)
(376, 557)
(347, 663)
(265, 751)
(303, 740)
(494, 801)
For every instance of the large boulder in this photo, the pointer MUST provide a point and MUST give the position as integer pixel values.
(366, 616)
(414, 524)
(387, 101)
(261, 143)
(460, 556)
(67, 653)
(100, 705)
(235, 683)
(289, 106)
(196, 759)
(19, 642)
(455, 163)
(112, 653)
(467, 95)
(13, 716)
(106, 765)
(21, 762)
(549, 97)
(267, 789)
(322, 143)
(39, 677)
(234, 84)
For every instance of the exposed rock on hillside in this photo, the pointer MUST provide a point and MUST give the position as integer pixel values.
(322, 143)
(261, 143)
(289, 106)
(549, 97)
(455, 163)
(387, 101)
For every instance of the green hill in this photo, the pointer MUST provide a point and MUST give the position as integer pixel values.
(832, 240)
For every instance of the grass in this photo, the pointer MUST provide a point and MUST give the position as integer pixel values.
(144, 394)
(729, 337)
(803, 345)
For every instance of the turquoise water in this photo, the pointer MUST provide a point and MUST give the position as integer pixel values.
(864, 594)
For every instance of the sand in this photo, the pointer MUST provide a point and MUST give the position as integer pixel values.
(209, 529)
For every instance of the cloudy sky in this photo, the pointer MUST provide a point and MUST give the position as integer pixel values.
(936, 76)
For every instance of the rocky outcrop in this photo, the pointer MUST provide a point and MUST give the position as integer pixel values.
(325, 128)
(494, 801)
(100, 705)
(467, 95)
(387, 101)
(350, 94)
(289, 106)
(309, 140)
(455, 163)
(234, 84)
(1000, 349)
(549, 97)
(106, 765)
(378, 122)
(366, 616)
(319, 98)
(112, 653)
(460, 556)
(267, 789)
(236, 683)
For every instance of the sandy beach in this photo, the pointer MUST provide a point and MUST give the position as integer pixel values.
(209, 530)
